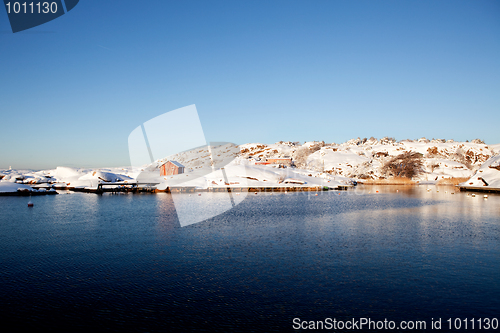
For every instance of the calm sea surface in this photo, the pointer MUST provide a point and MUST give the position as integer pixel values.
(122, 262)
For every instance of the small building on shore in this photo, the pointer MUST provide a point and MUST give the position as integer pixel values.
(286, 161)
(282, 162)
(171, 168)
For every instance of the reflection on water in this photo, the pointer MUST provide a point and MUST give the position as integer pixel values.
(123, 262)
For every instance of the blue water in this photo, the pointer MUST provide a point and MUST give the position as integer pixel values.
(83, 262)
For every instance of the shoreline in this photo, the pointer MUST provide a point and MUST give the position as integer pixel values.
(278, 189)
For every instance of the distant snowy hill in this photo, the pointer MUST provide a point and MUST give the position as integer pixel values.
(365, 158)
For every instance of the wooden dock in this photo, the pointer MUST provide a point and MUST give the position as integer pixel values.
(151, 188)
(27, 193)
(479, 189)
(185, 189)
(117, 187)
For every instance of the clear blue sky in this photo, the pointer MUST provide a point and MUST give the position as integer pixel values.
(258, 71)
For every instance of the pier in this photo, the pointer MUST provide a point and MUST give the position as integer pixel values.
(26, 193)
(486, 189)
(151, 188)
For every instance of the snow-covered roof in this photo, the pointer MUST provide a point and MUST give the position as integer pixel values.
(175, 163)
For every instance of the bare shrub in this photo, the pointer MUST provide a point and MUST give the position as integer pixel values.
(316, 146)
(301, 155)
(406, 165)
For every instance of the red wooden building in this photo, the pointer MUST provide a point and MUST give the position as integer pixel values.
(284, 161)
(171, 168)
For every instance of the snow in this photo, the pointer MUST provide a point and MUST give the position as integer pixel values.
(103, 176)
(316, 163)
(495, 148)
(364, 158)
(10, 187)
(489, 171)
(339, 160)
(177, 164)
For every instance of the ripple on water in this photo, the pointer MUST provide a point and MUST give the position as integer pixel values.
(124, 263)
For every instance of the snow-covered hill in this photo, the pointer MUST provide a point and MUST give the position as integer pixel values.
(365, 158)
(314, 163)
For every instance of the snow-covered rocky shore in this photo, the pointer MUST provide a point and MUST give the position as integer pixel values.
(365, 158)
(486, 178)
(313, 164)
